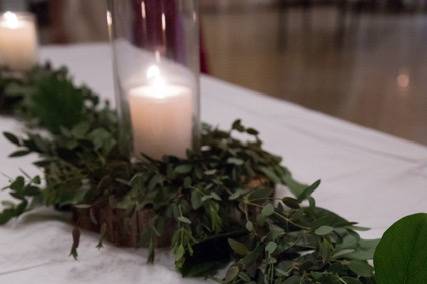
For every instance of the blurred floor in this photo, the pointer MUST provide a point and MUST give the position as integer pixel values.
(373, 72)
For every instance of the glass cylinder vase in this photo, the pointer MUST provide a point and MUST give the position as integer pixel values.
(156, 68)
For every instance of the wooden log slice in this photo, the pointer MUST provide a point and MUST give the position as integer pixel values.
(121, 229)
(124, 230)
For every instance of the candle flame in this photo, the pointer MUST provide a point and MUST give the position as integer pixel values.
(153, 72)
(11, 20)
(157, 81)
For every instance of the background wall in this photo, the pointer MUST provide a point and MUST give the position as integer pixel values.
(360, 60)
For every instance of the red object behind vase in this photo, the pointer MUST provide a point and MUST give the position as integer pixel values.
(153, 20)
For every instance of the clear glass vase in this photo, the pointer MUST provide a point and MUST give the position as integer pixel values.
(156, 68)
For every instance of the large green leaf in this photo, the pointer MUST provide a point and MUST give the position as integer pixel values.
(401, 256)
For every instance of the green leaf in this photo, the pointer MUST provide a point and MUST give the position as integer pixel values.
(361, 268)
(232, 273)
(238, 247)
(18, 184)
(20, 153)
(81, 129)
(342, 253)
(360, 229)
(267, 210)
(239, 193)
(270, 174)
(99, 137)
(327, 218)
(179, 253)
(291, 202)
(260, 194)
(237, 125)
(184, 220)
(183, 169)
(365, 250)
(235, 161)
(294, 186)
(36, 180)
(12, 212)
(401, 255)
(6, 215)
(196, 199)
(271, 247)
(323, 230)
(249, 226)
(154, 181)
(12, 138)
(308, 191)
(284, 268)
(252, 131)
(215, 196)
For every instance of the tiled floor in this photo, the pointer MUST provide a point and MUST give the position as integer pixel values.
(374, 72)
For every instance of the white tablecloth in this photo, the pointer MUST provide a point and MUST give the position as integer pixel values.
(368, 176)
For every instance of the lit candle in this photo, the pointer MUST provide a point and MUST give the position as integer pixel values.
(18, 41)
(161, 116)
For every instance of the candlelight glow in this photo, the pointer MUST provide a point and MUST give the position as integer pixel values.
(11, 20)
(158, 86)
(153, 72)
(143, 11)
(403, 80)
(155, 76)
(109, 19)
(163, 22)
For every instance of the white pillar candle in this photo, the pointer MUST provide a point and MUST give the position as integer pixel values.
(162, 118)
(18, 41)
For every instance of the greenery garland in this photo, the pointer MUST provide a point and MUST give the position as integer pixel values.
(220, 199)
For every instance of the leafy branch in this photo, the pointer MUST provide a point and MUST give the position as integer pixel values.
(218, 204)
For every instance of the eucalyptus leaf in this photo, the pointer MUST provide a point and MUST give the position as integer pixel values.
(238, 247)
(12, 138)
(361, 268)
(308, 191)
(232, 273)
(268, 210)
(17, 154)
(184, 220)
(271, 247)
(235, 161)
(196, 199)
(324, 230)
(183, 169)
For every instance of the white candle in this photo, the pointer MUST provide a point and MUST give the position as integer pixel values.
(18, 41)
(162, 118)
